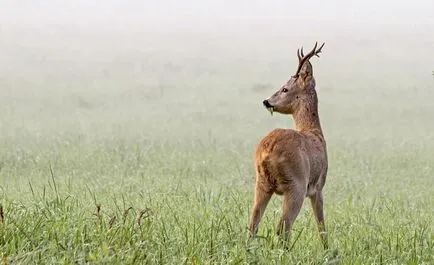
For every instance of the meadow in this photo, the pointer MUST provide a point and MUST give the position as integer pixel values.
(136, 146)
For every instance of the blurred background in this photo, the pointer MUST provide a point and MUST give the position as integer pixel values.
(89, 74)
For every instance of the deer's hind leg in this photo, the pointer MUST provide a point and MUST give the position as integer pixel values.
(262, 197)
(293, 199)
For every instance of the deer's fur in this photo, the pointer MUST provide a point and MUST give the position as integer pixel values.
(293, 163)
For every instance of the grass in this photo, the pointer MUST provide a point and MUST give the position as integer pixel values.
(101, 164)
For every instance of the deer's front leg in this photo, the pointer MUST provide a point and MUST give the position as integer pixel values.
(317, 206)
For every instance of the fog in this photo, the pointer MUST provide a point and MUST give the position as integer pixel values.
(134, 11)
(148, 60)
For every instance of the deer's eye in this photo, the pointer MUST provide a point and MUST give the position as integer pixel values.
(284, 90)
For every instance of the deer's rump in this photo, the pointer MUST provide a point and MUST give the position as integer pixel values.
(285, 158)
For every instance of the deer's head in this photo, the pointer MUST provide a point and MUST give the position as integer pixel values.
(298, 88)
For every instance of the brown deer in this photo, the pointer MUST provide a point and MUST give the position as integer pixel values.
(293, 163)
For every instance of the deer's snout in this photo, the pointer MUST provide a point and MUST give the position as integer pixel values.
(267, 104)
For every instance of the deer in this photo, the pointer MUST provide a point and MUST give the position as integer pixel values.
(292, 162)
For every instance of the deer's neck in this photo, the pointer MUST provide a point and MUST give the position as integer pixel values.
(306, 117)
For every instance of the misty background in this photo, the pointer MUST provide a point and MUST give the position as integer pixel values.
(87, 75)
(134, 11)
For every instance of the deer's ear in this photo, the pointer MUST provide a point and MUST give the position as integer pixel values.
(305, 74)
(307, 78)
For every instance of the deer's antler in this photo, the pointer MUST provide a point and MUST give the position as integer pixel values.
(302, 58)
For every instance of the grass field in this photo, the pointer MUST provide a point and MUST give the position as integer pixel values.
(158, 131)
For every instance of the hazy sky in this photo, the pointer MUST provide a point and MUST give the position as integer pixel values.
(85, 11)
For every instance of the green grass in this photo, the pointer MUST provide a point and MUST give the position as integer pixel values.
(166, 153)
